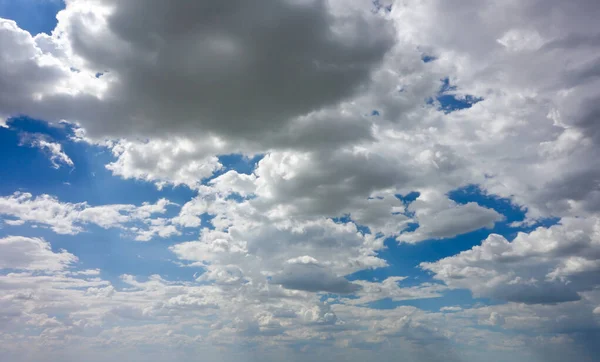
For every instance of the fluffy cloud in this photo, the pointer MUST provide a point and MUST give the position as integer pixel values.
(440, 217)
(261, 245)
(143, 84)
(310, 276)
(79, 311)
(32, 254)
(548, 265)
(530, 114)
(69, 218)
(177, 161)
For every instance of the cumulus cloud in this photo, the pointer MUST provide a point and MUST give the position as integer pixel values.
(440, 217)
(245, 56)
(177, 161)
(32, 254)
(548, 265)
(70, 218)
(341, 74)
(175, 313)
(312, 277)
(243, 235)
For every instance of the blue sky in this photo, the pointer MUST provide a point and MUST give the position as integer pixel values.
(410, 180)
(35, 16)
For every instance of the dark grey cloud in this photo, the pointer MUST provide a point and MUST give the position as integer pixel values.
(313, 278)
(234, 68)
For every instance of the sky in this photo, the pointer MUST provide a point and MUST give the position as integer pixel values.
(299, 180)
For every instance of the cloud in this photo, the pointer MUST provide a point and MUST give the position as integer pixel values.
(178, 161)
(440, 218)
(530, 114)
(313, 277)
(548, 265)
(70, 218)
(227, 275)
(79, 311)
(244, 235)
(143, 84)
(56, 154)
(390, 288)
(32, 254)
(451, 309)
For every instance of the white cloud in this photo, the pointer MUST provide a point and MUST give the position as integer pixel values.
(451, 309)
(390, 288)
(440, 217)
(258, 241)
(70, 218)
(527, 110)
(548, 265)
(177, 161)
(80, 311)
(56, 154)
(32, 254)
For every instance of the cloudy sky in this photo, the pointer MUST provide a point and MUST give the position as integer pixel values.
(299, 180)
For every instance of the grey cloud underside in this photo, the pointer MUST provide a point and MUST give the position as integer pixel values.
(546, 293)
(231, 68)
(313, 278)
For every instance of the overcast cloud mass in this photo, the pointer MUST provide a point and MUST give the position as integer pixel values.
(299, 180)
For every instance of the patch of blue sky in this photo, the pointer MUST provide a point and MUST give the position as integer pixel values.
(239, 163)
(35, 16)
(455, 297)
(29, 170)
(379, 5)
(449, 100)
(427, 58)
(450, 103)
(408, 198)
